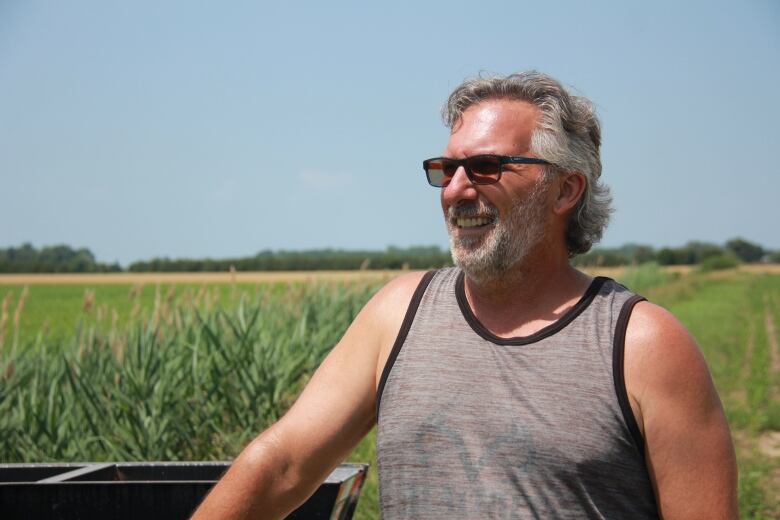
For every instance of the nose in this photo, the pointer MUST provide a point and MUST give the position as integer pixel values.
(459, 188)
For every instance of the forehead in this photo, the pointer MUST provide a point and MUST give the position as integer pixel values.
(499, 126)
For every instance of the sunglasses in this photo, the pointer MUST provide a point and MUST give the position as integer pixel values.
(480, 169)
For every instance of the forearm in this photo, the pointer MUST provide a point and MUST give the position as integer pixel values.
(261, 483)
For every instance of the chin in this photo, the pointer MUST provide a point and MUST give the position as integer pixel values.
(480, 276)
(490, 259)
(478, 264)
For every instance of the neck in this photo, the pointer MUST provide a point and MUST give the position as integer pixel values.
(529, 295)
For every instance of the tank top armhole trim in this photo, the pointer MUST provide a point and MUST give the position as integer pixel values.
(411, 311)
(618, 374)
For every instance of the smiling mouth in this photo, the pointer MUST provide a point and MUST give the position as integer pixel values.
(472, 222)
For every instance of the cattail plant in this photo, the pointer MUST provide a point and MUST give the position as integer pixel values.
(18, 317)
(4, 317)
(89, 300)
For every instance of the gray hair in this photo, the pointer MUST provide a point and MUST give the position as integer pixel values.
(568, 135)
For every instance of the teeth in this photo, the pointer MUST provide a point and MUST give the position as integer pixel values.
(472, 222)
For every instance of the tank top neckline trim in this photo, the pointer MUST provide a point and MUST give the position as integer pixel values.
(577, 309)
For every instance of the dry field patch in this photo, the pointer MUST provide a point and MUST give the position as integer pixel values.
(244, 276)
(761, 268)
(286, 276)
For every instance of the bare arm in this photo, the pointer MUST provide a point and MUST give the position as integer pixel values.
(285, 464)
(688, 445)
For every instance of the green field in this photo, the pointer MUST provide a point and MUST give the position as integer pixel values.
(193, 371)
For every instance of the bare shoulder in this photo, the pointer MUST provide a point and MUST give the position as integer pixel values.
(663, 365)
(388, 308)
(398, 291)
(371, 335)
(687, 439)
(378, 322)
(384, 310)
(661, 345)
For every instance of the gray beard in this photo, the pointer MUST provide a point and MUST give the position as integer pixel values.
(488, 258)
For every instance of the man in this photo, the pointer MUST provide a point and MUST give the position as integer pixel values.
(513, 385)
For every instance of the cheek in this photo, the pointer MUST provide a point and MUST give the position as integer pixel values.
(444, 201)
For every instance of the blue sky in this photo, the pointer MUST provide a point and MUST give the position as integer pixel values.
(194, 129)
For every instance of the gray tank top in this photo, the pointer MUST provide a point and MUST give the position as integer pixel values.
(471, 425)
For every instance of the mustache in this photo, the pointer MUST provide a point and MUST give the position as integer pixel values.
(472, 209)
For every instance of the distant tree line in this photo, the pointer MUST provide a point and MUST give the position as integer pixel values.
(51, 259)
(64, 259)
(419, 257)
(736, 250)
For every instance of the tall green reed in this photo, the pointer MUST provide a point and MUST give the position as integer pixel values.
(190, 379)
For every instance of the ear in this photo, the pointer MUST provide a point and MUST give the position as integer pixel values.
(570, 189)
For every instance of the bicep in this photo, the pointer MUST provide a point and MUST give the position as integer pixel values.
(688, 445)
(335, 409)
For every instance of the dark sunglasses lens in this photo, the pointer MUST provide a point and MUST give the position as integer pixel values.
(485, 169)
(439, 171)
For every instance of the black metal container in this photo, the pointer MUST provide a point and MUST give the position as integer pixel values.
(146, 491)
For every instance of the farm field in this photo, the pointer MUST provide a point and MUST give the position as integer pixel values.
(55, 304)
(192, 366)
